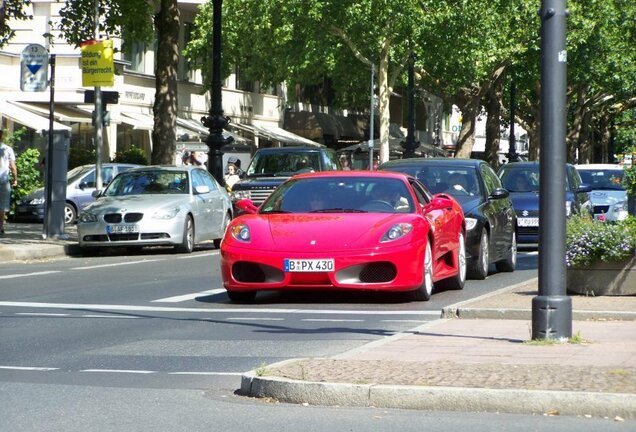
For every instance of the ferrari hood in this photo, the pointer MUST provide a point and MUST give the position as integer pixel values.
(330, 232)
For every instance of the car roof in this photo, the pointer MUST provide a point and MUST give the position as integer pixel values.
(599, 166)
(354, 173)
(165, 168)
(441, 161)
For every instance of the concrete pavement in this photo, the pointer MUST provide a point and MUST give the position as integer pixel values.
(477, 357)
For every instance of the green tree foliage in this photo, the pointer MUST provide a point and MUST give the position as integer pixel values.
(29, 176)
(133, 155)
(12, 9)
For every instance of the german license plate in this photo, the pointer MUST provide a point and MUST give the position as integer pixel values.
(309, 265)
(122, 229)
(528, 222)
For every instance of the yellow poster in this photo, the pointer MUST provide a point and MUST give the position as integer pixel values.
(98, 67)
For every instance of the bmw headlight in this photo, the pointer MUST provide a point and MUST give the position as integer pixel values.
(37, 201)
(166, 213)
(86, 217)
(396, 231)
(568, 208)
(470, 223)
(241, 233)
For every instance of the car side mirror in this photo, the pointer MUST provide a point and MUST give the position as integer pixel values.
(202, 189)
(247, 206)
(499, 193)
(96, 193)
(82, 185)
(584, 188)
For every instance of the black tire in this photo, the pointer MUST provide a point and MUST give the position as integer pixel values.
(187, 244)
(242, 296)
(70, 214)
(479, 267)
(424, 291)
(510, 262)
(226, 222)
(457, 282)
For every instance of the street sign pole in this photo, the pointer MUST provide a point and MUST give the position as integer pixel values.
(552, 308)
(98, 115)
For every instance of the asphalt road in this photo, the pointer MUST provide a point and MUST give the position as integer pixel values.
(151, 342)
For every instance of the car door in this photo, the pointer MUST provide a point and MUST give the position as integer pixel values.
(438, 217)
(217, 207)
(206, 219)
(499, 212)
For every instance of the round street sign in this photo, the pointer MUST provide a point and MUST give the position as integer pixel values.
(34, 68)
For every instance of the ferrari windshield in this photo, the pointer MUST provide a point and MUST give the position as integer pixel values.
(340, 195)
(148, 182)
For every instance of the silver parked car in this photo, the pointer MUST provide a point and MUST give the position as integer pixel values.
(157, 205)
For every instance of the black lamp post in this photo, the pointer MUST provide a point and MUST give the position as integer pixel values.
(552, 308)
(216, 122)
(512, 139)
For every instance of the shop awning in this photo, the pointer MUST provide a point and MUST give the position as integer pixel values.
(63, 113)
(198, 128)
(28, 118)
(317, 125)
(275, 133)
(138, 121)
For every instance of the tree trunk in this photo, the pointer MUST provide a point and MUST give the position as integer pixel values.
(493, 124)
(383, 102)
(166, 105)
(468, 103)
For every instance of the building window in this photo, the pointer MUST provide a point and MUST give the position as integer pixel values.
(135, 54)
(242, 83)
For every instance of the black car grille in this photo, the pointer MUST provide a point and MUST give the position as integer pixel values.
(601, 209)
(118, 217)
(378, 272)
(248, 272)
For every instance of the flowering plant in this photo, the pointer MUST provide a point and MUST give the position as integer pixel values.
(589, 241)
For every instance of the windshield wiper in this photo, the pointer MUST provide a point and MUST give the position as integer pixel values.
(338, 210)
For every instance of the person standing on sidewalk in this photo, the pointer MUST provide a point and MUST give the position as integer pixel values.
(8, 178)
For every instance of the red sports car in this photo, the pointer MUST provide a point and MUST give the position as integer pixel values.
(349, 230)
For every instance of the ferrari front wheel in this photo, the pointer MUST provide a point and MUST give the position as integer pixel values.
(457, 282)
(424, 291)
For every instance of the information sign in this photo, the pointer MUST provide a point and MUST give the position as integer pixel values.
(34, 68)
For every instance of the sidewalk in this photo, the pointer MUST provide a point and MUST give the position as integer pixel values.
(477, 357)
(24, 241)
(479, 363)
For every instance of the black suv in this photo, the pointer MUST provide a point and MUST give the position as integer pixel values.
(270, 167)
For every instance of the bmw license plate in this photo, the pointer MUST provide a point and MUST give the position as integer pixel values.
(309, 265)
(528, 222)
(122, 229)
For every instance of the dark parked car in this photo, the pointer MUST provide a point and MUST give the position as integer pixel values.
(490, 217)
(522, 181)
(80, 185)
(270, 167)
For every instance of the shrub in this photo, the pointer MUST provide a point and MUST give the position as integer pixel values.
(29, 176)
(79, 156)
(590, 241)
(133, 155)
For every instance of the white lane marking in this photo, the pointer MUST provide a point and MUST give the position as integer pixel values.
(331, 320)
(180, 298)
(110, 316)
(119, 371)
(254, 319)
(130, 308)
(116, 264)
(29, 368)
(41, 314)
(13, 276)
(404, 321)
(208, 373)
(198, 255)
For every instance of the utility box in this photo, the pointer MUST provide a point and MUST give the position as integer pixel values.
(57, 167)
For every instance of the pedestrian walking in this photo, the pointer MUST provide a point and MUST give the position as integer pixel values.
(8, 179)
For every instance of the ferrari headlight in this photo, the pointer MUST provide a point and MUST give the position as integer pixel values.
(36, 201)
(470, 223)
(396, 231)
(86, 217)
(166, 213)
(241, 232)
(568, 208)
